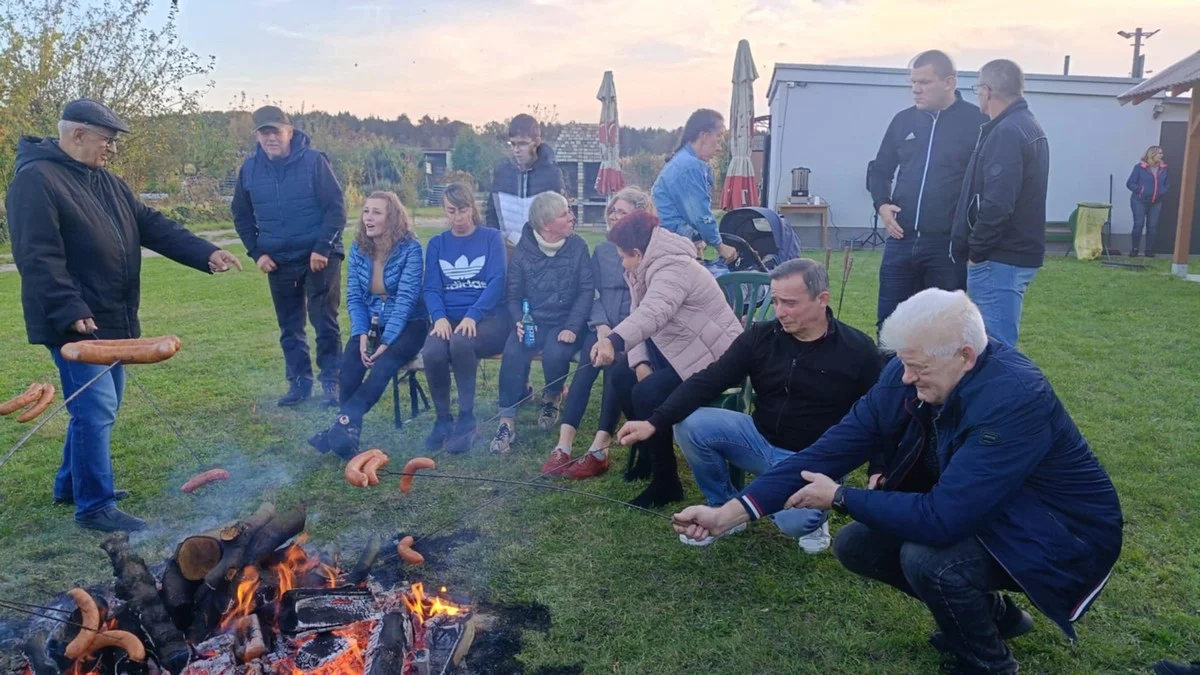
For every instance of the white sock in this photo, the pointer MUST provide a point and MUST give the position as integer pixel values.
(599, 453)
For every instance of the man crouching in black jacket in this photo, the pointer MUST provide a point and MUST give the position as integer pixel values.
(1000, 226)
(77, 236)
(806, 368)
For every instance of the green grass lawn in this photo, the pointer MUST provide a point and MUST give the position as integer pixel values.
(625, 596)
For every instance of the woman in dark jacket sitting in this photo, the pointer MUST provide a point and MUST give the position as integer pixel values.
(610, 308)
(550, 274)
(384, 283)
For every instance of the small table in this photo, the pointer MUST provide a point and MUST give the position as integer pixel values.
(820, 210)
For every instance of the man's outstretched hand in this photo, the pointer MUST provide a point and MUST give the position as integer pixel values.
(222, 261)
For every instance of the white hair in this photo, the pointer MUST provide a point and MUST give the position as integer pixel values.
(65, 128)
(546, 207)
(936, 321)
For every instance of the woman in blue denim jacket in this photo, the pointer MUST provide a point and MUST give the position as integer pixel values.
(383, 282)
(1148, 185)
(682, 192)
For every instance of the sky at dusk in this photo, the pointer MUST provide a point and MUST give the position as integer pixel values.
(480, 60)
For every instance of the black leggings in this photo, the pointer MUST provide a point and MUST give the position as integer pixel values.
(638, 401)
(581, 390)
(462, 354)
(358, 394)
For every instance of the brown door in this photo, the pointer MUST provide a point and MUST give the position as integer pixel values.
(1172, 140)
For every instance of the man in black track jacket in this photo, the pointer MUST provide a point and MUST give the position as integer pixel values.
(929, 145)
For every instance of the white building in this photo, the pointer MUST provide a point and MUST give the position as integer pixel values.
(831, 120)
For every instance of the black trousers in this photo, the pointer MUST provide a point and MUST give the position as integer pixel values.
(638, 401)
(461, 354)
(360, 388)
(581, 390)
(296, 291)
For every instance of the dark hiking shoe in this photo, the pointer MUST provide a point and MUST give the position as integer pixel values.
(343, 437)
(443, 428)
(320, 441)
(298, 392)
(1013, 623)
(330, 399)
(463, 437)
(111, 519)
(70, 501)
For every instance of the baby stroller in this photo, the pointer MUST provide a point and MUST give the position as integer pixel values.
(763, 240)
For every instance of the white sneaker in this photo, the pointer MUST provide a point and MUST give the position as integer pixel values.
(710, 539)
(816, 541)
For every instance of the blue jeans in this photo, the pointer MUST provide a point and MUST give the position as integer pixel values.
(999, 292)
(86, 473)
(1144, 214)
(912, 264)
(712, 438)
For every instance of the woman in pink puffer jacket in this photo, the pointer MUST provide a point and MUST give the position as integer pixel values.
(679, 324)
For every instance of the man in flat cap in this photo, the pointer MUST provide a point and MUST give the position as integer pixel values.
(77, 234)
(289, 211)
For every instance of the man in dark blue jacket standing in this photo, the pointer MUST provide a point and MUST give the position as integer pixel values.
(289, 212)
(1000, 224)
(987, 486)
(930, 144)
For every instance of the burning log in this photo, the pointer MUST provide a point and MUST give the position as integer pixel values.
(178, 594)
(275, 533)
(199, 553)
(304, 610)
(250, 643)
(391, 645)
(136, 587)
(39, 659)
(236, 539)
(363, 567)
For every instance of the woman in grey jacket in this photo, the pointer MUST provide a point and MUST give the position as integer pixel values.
(609, 309)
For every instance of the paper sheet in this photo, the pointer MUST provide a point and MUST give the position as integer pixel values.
(513, 212)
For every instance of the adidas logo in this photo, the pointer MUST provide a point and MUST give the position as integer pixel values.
(910, 137)
(462, 268)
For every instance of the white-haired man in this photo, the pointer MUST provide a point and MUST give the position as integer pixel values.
(987, 486)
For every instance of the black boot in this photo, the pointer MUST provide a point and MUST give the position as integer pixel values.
(637, 467)
(298, 392)
(320, 441)
(443, 427)
(463, 435)
(664, 485)
(343, 437)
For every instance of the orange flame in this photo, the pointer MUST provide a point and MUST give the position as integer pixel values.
(244, 604)
(424, 607)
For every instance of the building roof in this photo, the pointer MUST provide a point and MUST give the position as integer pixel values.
(1178, 78)
(578, 143)
(1046, 82)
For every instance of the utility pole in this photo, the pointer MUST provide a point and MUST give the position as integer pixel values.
(1139, 60)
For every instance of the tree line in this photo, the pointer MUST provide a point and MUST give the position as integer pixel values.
(54, 51)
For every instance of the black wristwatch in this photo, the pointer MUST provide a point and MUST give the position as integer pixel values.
(839, 499)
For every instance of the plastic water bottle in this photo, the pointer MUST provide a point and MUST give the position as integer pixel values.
(528, 325)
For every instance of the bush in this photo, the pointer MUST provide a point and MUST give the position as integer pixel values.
(3, 223)
(641, 169)
(190, 213)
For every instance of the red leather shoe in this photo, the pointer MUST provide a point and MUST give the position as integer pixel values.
(557, 463)
(590, 467)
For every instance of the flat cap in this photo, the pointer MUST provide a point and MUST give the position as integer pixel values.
(270, 116)
(87, 111)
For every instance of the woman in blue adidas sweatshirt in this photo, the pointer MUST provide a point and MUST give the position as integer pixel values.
(383, 282)
(464, 290)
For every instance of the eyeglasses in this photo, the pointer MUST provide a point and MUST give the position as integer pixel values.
(976, 88)
(520, 144)
(108, 140)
